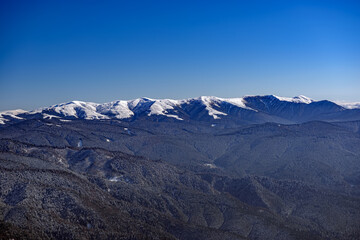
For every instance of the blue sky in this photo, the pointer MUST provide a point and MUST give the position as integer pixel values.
(100, 51)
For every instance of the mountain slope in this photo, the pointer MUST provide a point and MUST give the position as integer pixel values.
(204, 168)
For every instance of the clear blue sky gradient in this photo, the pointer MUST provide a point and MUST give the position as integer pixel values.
(100, 51)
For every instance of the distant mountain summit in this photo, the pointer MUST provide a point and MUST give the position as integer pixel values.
(245, 110)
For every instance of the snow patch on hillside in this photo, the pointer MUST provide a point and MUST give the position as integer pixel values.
(209, 103)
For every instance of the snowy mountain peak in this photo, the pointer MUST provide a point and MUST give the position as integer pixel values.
(209, 99)
(77, 109)
(7, 115)
(303, 99)
(139, 101)
(118, 109)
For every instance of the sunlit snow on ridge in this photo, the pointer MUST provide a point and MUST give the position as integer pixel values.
(297, 99)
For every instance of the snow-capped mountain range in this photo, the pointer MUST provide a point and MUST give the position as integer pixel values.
(248, 109)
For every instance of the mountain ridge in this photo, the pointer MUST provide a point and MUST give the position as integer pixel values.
(247, 109)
